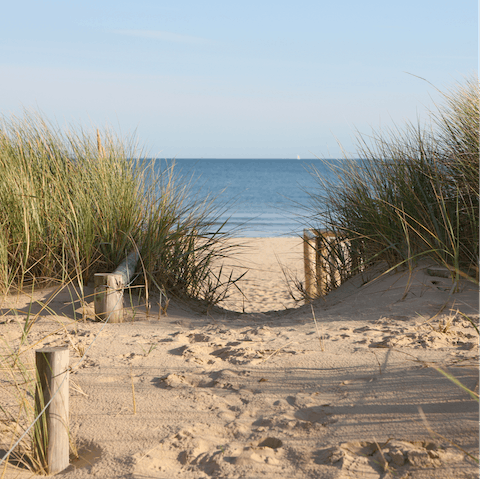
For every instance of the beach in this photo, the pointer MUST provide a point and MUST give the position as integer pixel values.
(270, 265)
(347, 386)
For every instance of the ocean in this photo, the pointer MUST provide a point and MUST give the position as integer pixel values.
(265, 197)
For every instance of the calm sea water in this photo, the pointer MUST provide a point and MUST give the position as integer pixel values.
(263, 194)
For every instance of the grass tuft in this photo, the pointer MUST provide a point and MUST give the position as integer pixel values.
(73, 204)
(413, 194)
(76, 203)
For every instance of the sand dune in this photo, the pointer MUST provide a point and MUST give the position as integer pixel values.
(266, 393)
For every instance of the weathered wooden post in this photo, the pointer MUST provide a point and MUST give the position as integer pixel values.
(108, 297)
(323, 259)
(308, 249)
(317, 251)
(108, 293)
(51, 441)
(320, 249)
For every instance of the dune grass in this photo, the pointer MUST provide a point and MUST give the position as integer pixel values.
(413, 194)
(75, 203)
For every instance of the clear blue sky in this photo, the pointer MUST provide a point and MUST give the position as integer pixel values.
(233, 79)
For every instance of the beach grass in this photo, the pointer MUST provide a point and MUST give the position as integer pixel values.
(73, 203)
(77, 202)
(414, 193)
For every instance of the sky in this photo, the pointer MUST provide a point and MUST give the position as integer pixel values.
(235, 79)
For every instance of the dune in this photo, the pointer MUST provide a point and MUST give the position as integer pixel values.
(268, 392)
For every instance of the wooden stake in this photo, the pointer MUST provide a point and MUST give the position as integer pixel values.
(320, 277)
(108, 296)
(307, 263)
(51, 444)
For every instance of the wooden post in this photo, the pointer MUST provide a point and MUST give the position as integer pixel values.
(108, 296)
(320, 277)
(308, 249)
(51, 442)
(108, 292)
(316, 251)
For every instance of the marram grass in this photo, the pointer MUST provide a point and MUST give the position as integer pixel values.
(413, 194)
(73, 204)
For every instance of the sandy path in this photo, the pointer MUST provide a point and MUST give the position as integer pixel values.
(265, 285)
(231, 395)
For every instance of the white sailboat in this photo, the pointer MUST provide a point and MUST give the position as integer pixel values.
(298, 157)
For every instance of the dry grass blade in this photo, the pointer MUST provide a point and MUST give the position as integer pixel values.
(277, 351)
(320, 337)
(436, 434)
(454, 380)
(133, 393)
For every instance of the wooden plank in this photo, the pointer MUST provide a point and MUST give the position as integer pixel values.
(127, 267)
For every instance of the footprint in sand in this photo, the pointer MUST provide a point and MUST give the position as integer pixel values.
(282, 404)
(223, 379)
(233, 352)
(217, 345)
(371, 460)
(258, 334)
(316, 415)
(267, 452)
(174, 380)
(207, 449)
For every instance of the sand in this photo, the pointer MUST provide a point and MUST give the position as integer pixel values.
(267, 393)
(269, 264)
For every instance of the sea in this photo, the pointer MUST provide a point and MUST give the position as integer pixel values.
(258, 197)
